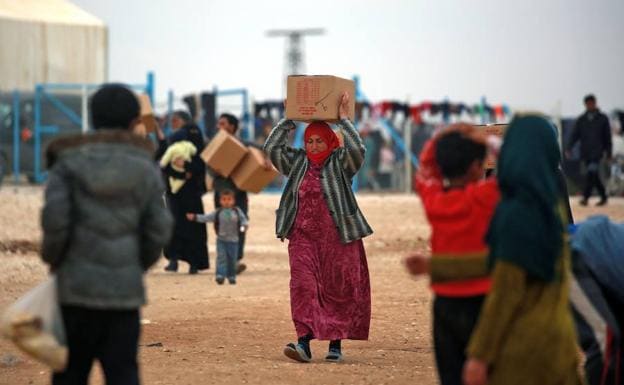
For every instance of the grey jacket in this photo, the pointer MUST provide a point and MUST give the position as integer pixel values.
(104, 220)
(228, 229)
(336, 177)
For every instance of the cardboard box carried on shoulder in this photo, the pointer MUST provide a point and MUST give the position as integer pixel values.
(317, 97)
(496, 130)
(223, 153)
(250, 174)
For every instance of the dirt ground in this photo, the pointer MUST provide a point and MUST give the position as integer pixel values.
(196, 332)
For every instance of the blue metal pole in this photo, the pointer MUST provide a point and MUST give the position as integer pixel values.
(483, 102)
(90, 86)
(359, 97)
(355, 183)
(358, 93)
(169, 111)
(299, 134)
(233, 91)
(56, 102)
(246, 117)
(37, 142)
(216, 93)
(201, 114)
(149, 87)
(16, 136)
(248, 128)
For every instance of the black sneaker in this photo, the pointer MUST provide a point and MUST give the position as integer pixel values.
(172, 267)
(602, 202)
(335, 351)
(583, 202)
(220, 280)
(334, 355)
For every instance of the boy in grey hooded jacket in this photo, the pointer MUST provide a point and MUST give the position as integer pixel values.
(104, 224)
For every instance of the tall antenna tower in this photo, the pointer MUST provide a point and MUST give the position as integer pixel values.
(294, 63)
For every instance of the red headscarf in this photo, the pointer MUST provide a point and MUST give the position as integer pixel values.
(328, 136)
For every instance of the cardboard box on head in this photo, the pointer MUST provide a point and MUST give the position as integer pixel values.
(251, 174)
(496, 130)
(223, 153)
(147, 114)
(317, 97)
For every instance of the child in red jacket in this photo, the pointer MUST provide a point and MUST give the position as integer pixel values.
(458, 204)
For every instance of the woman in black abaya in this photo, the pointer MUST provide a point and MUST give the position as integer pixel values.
(189, 241)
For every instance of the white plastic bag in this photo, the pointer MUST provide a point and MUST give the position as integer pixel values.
(35, 325)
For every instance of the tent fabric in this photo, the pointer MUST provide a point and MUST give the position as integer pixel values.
(50, 41)
(47, 11)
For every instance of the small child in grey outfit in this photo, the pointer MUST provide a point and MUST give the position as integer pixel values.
(229, 222)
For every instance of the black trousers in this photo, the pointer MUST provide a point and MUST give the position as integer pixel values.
(110, 336)
(454, 318)
(592, 179)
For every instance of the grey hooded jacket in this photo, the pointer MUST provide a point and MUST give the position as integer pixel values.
(336, 176)
(104, 220)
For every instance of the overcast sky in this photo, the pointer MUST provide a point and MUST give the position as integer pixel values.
(529, 54)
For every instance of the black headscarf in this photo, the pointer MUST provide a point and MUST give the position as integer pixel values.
(191, 133)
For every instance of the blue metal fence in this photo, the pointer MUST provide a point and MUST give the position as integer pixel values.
(42, 94)
(16, 136)
(247, 129)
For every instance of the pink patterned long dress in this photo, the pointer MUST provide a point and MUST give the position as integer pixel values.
(329, 281)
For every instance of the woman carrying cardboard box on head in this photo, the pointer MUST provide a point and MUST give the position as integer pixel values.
(318, 213)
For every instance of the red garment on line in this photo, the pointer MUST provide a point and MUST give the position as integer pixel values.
(329, 281)
(415, 112)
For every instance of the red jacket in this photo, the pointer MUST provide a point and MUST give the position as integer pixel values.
(459, 219)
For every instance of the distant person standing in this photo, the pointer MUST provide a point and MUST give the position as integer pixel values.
(593, 131)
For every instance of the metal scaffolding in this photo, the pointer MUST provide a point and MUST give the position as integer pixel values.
(294, 63)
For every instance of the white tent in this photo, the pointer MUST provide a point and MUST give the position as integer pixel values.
(50, 41)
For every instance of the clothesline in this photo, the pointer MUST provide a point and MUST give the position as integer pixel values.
(414, 111)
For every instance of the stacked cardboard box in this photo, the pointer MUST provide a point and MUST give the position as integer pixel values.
(251, 173)
(223, 153)
(244, 165)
